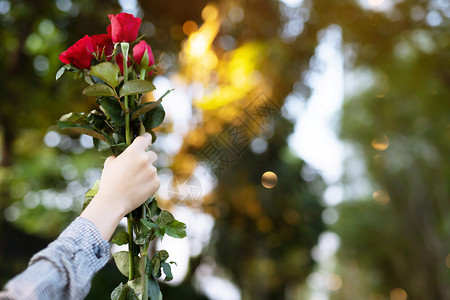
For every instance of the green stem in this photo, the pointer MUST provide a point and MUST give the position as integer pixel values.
(142, 74)
(125, 48)
(127, 122)
(130, 247)
(144, 250)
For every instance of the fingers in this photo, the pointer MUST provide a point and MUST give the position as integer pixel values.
(152, 157)
(142, 142)
(109, 160)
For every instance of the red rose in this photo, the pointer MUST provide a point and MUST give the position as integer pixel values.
(124, 27)
(79, 54)
(103, 45)
(119, 62)
(139, 51)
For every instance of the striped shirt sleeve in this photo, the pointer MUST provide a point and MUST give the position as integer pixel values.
(64, 269)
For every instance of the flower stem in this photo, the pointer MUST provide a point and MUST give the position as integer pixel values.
(142, 74)
(125, 48)
(144, 250)
(130, 247)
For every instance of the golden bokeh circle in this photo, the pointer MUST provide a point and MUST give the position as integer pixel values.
(380, 143)
(269, 180)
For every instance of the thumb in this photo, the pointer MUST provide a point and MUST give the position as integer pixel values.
(109, 160)
(142, 142)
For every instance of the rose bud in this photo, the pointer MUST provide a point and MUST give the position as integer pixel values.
(103, 45)
(79, 54)
(124, 27)
(143, 55)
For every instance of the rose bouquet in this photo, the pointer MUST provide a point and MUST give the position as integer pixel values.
(118, 81)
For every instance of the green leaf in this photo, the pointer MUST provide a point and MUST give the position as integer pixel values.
(91, 194)
(87, 78)
(107, 72)
(121, 238)
(72, 117)
(154, 118)
(176, 229)
(153, 136)
(99, 90)
(131, 295)
(153, 289)
(156, 266)
(163, 254)
(142, 238)
(165, 218)
(160, 232)
(68, 67)
(96, 119)
(141, 128)
(134, 87)
(119, 148)
(101, 145)
(167, 270)
(122, 263)
(136, 284)
(80, 128)
(120, 292)
(60, 72)
(144, 108)
(154, 209)
(149, 224)
(113, 110)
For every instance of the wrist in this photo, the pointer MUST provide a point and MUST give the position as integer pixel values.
(104, 214)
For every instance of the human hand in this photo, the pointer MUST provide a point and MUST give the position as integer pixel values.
(130, 179)
(127, 181)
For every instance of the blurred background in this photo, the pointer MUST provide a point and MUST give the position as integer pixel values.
(306, 144)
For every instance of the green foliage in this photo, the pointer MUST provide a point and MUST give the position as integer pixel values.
(113, 110)
(120, 238)
(122, 262)
(91, 194)
(81, 129)
(176, 229)
(107, 72)
(134, 87)
(153, 289)
(123, 292)
(99, 90)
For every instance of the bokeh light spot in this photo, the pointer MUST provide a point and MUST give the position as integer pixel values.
(189, 27)
(333, 282)
(236, 14)
(52, 139)
(398, 294)
(381, 197)
(291, 216)
(210, 12)
(447, 261)
(269, 180)
(380, 143)
(376, 2)
(265, 224)
(11, 213)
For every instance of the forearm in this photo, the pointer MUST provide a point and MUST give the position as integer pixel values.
(65, 268)
(105, 217)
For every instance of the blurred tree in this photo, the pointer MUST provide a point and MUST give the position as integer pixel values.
(400, 124)
(232, 49)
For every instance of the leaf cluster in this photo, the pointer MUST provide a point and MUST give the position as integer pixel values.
(107, 123)
(156, 224)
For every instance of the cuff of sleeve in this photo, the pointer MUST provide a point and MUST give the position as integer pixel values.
(88, 240)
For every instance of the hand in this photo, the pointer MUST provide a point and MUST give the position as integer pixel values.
(127, 181)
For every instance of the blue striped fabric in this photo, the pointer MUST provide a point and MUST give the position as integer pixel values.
(65, 268)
